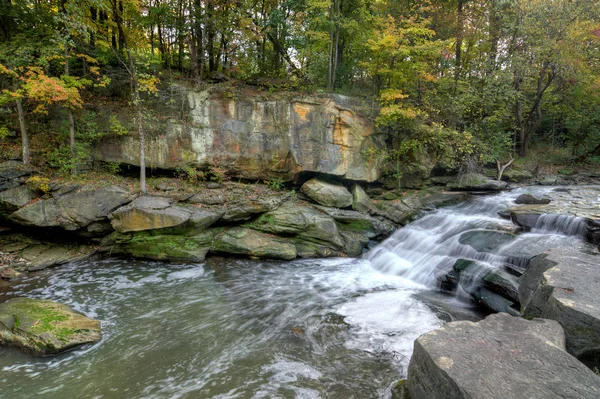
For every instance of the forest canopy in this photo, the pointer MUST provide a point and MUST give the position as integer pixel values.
(466, 79)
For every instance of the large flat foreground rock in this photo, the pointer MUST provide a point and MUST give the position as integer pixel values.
(499, 357)
(564, 285)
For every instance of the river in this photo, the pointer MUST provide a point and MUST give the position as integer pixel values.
(234, 328)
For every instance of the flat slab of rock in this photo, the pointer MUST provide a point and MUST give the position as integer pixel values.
(563, 285)
(499, 357)
(327, 194)
(45, 327)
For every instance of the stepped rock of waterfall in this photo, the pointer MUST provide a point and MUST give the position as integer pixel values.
(499, 357)
(563, 285)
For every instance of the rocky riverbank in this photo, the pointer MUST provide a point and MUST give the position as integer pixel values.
(47, 223)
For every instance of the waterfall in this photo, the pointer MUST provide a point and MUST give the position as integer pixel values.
(428, 248)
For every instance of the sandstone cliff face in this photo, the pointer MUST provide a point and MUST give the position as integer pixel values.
(256, 138)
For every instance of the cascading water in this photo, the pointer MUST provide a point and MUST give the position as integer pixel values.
(335, 328)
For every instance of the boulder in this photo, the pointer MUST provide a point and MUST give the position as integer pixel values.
(563, 285)
(529, 199)
(15, 198)
(303, 221)
(327, 194)
(476, 182)
(148, 213)
(548, 181)
(240, 209)
(27, 254)
(491, 287)
(45, 327)
(357, 222)
(499, 357)
(161, 246)
(361, 201)
(157, 213)
(11, 170)
(516, 175)
(248, 242)
(74, 210)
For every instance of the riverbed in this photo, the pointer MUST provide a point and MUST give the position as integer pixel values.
(237, 328)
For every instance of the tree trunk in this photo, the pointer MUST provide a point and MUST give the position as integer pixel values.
(71, 122)
(330, 67)
(24, 137)
(459, 39)
(138, 106)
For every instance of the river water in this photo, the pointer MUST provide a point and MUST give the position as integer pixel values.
(232, 328)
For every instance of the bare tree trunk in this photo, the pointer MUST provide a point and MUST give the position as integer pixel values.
(459, 39)
(330, 68)
(71, 122)
(138, 105)
(501, 168)
(24, 136)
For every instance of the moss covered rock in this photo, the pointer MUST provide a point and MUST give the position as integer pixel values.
(243, 241)
(45, 327)
(327, 194)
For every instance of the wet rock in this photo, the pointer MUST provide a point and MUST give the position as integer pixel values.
(161, 246)
(485, 240)
(74, 210)
(45, 327)
(327, 194)
(243, 241)
(563, 285)
(361, 201)
(499, 357)
(476, 182)
(491, 287)
(526, 215)
(532, 200)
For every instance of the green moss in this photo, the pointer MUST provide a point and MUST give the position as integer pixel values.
(356, 225)
(44, 318)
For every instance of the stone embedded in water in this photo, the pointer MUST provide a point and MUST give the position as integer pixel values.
(485, 240)
(45, 327)
(499, 357)
(161, 246)
(529, 199)
(327, 194)
(563, 285)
